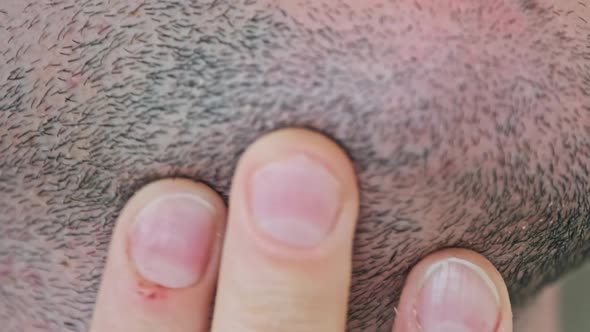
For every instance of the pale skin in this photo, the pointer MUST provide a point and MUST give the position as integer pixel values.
(264, 285)
(466, 122)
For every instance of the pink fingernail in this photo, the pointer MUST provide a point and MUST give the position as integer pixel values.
(295, 200)
(458, 296)
(171, 240)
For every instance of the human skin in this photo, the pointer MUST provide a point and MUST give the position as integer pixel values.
(267, 276)
(467, 123)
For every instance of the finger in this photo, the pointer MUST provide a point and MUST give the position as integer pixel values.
(454, 290)
(163, 261)
(542, 314)
(287, 256)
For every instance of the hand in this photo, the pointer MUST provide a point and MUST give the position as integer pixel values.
(286, 258)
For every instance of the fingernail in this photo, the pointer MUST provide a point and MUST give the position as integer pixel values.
(171, 240)
(457, 296)
(295, 200)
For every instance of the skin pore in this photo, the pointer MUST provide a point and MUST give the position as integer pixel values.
(467, 122)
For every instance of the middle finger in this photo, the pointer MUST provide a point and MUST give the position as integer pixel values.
(286, 260)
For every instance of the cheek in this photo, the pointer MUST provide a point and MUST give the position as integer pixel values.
(432, 18)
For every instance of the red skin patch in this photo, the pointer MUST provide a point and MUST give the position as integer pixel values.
(150, 292)
(6, 267)
(33, 279)
(73, 81)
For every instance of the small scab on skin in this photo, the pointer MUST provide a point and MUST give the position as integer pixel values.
(150, 291)
(135, 12)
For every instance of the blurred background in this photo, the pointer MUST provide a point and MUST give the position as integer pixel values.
(564, 307)
(575, 301)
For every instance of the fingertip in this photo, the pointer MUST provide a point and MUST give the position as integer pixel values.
(171, 238)
(297, 190)
(163, 259)
(454, 290)
(172, 186)
(293, 211)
